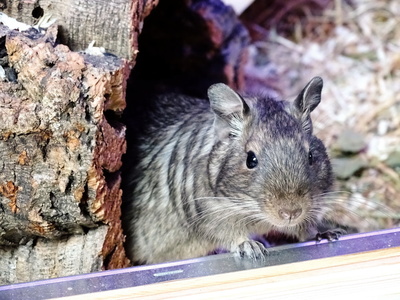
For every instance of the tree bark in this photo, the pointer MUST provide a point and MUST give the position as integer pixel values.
(60, 152)
(114, 25)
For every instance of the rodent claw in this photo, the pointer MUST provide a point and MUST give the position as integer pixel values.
(253, 250)
(330, 235)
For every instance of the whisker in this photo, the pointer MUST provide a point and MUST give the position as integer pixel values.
(383, 210)
(355, 199)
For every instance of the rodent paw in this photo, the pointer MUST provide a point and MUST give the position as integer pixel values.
(252, 249)
(330, 235)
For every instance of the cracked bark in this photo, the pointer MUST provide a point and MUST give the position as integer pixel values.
(60, 152)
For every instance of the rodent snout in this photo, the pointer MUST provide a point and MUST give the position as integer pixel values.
(290, 214)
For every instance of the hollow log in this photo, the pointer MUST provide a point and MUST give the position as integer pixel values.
(61, 140)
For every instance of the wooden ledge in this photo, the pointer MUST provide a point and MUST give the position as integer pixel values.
(362, 265)
(357, 276)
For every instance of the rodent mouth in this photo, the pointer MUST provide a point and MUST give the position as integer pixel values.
(286, 223)
(283, 220)
(290, 223)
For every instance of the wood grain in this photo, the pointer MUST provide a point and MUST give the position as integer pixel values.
(368, 275)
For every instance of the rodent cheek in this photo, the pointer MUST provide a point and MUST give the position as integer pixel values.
(269, 209)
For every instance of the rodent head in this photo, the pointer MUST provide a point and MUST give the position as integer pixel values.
(268, 159)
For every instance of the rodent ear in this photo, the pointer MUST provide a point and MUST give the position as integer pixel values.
(310, 96)
(229, 108)
(307, 101)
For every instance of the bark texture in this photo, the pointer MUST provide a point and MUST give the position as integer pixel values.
(60, 152)
(114, 25)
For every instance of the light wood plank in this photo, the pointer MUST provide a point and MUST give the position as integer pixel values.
(365, 275)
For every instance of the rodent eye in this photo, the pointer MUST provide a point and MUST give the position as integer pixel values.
(252, 160)
(310, 158)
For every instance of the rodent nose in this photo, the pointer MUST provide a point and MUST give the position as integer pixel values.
(290, 214)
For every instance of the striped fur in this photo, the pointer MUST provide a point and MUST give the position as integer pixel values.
(191, 190)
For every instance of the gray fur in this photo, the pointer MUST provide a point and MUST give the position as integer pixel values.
(191, 191)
